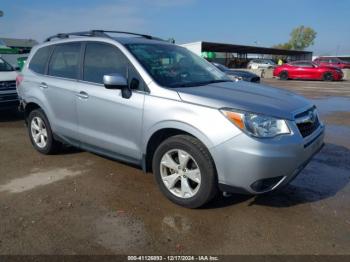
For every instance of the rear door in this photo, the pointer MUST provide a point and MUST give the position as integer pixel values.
(59, 87)
(108, 123)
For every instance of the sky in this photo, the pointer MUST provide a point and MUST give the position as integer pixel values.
(249, 22)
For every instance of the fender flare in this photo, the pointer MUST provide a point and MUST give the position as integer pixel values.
(175, 125)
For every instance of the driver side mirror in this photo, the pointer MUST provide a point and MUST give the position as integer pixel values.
(117, 81)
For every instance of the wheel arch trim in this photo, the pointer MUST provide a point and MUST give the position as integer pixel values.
(181, 126)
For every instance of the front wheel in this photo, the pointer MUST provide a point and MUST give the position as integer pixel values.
(185, 171)
(328, 76)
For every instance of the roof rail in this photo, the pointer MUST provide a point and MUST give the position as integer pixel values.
(98, 33)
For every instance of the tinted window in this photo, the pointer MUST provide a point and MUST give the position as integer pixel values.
(64, 61)
(103, 59)
(303, 64)
(306, 64)
(39, 60)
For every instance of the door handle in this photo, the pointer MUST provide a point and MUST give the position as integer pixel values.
(83, 95)
(43, 85)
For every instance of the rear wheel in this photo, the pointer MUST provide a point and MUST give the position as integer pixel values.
(328, 76)
(40, 133)
(184, 171)
(283, 75)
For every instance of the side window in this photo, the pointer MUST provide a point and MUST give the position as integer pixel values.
(335, 61)
(39, 60)
(306, 64)
(303, 64)
(102, 59)
(64, 61)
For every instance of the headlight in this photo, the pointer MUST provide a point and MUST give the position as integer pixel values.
(235, 78)
(257, 125)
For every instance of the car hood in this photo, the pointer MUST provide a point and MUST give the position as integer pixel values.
(240, 73)
(8, 75)
(246, 96)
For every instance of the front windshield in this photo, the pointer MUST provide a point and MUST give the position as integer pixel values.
(4, 66)
(175, 66)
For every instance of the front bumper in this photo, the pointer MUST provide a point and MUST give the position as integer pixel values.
(338, 76)
(249, 165)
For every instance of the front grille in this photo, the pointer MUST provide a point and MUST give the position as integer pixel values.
(7, 85)
(307, 122)
(8, 97)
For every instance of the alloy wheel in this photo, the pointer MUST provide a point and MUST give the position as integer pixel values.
(180, 173)
(39, 132)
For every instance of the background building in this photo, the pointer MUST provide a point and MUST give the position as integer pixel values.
(22, 46)
(232, 55)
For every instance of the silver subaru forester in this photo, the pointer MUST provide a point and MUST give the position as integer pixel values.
(145, 101)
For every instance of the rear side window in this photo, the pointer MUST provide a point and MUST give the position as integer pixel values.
(102, 59)
(39, 60)
(64, 61)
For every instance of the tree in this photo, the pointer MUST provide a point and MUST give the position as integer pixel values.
(300, 38)
(283, 46)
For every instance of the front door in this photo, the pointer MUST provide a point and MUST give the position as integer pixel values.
(303, 70)
(108, 123)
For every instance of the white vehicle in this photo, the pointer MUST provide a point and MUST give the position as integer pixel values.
(261, 63)
(8, 93)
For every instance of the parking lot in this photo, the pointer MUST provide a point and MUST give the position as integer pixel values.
(81, 203)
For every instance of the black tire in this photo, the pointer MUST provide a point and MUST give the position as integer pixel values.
(208, 186)
(52, 146)
(328, 76)
(283, 75)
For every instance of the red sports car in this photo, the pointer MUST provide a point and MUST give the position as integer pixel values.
(307, 70)
(332, 61)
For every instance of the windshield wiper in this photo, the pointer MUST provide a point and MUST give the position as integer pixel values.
(218, 81)
(202, 83)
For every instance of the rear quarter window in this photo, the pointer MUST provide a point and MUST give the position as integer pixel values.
(39, 60)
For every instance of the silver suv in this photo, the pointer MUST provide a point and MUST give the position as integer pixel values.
(149, 102)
